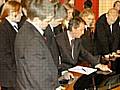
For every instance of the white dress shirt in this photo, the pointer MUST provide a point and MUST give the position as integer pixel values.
(14, 24)
(111, 28)
(70, 39)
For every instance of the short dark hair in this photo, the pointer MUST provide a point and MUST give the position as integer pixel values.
(6, 0)
(88, 4)
(116, 3)
(76, 13)
(75, 22)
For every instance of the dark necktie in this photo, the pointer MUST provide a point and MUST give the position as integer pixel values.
(44, 36)
(15, 27)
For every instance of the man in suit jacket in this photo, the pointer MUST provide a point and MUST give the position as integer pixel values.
(107, 35)
(72, 54)
(69, 56)
(49, 34)
(7, 37)
(107, 32)
(35, 66)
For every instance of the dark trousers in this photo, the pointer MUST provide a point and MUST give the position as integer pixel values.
(8, 88)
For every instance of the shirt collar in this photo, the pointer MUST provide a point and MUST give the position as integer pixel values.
(86, 27)
(12, 23)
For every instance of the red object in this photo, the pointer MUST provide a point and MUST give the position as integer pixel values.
(95, 7)
(79, 5)
(61, 1)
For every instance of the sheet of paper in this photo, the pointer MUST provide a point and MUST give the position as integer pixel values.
(83, 70)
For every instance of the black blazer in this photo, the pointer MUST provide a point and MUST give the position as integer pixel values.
(79, 52)
(51, 43)
(87, 40)
(7, 57)
(35, 65)
(105, 40)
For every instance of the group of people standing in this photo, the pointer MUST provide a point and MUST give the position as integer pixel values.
(41, 39)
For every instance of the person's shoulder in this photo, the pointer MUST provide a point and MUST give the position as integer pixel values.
(102, 17)
(26, 30)
(26, 27)
(117, 21)
(4, 25)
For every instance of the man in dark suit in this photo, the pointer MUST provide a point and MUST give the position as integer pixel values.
(7, 37)
(71, 55)
(107, 32)
(72, 52)
(35, 66)
(107, 35)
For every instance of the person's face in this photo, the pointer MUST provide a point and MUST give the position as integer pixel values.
(78, 32)
(112, 17)
(117, 6)
(19, 15)
(69, 14)
(40, 23)
(15, 16)
(89, 20)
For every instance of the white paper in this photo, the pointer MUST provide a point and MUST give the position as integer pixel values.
(83, 70)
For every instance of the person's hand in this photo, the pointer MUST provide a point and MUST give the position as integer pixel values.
(103, 67)
(60, 88)
(68, 75)
(112, 56)
(118, 51)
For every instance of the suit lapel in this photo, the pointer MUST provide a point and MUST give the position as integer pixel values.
(76, 49)
(10, 32)
(35, 30)
(67, 44)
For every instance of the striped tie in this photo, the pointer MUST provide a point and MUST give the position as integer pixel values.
(16, 28)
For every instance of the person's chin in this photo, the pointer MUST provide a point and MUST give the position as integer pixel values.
(78, 37)
(17, 21)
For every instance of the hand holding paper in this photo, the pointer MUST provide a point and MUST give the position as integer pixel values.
(103, 67)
